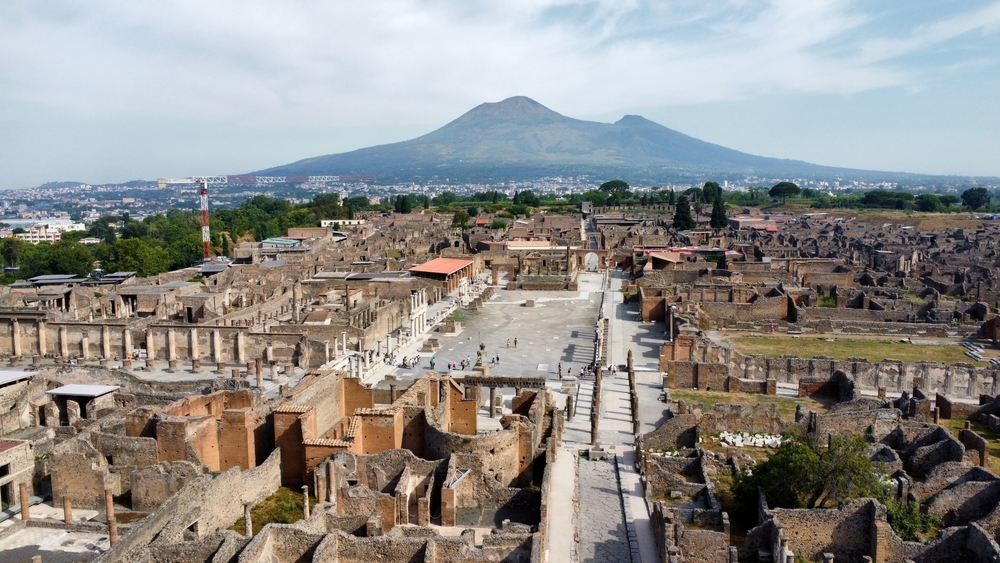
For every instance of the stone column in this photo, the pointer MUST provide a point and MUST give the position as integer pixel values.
(113, 531)
(106, 342)
(493, 402)
(171, 344)
(320, 491)
(150, 347)
(15, 331)
(241, 347)
(25, 509)
(126, 342)
(63, 342)
(269, 353)
(274, 371)
(85, 345)
(67, 511)
(247, 523)
(305, 501)
(570, 407)
(217, 347)
(109, 505)
(259, 370)
(344, 336)
(326, 350)
(41, 338)
(193, 344)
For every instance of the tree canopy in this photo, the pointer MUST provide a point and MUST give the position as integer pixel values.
(975, 198)
(682, 215)
(783, 191)
(719, 219)
(615, 188)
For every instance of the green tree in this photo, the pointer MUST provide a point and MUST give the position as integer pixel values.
(445, 198)
(618, 188)
(928, 202)
(12, 249)
(808, 475)
(719, 219)
(473, 211)
(136, 255)
(709, 192)
(403, 204)
(498, 224)
(783, 191)
(975, 198)
(672, 198)
(949, 199)
(682, 215)
(460, 219)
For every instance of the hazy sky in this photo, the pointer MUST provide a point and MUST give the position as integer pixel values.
(106, 91)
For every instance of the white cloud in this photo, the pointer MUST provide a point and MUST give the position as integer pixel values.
(353, 63)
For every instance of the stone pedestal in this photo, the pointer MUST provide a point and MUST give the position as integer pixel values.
(195, 364)
(149, 363)
(36, 360)
(127, 363)
(171, 365)
(220, 367)
(236, 373)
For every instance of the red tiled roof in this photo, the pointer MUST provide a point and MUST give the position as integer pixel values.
(441, 266)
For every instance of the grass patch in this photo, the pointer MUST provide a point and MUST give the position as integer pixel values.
(841, 349)
(394, 253)
(283, 507)
(786, 405)
(460, 315)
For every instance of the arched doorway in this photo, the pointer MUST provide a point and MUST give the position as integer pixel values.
(591, 262)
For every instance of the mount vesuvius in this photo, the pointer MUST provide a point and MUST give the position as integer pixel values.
(519, 138)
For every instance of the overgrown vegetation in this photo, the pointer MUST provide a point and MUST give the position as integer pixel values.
(283, 507)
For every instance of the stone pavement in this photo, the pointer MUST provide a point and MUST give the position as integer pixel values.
(603, 533)
(563, 517)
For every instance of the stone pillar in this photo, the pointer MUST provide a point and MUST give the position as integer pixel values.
(593, 427)
(42, 346)
(305, 501)
(15, 331)
(63, 342)
(241, 347)
(113, 531)
(171, 344)
(109, 505)
(25, 509)
(236, 373)
(217, 347)
(937, 415)
(126, 343)
(150, 347)
(570, 407)
(493, 402)
(259, 371)
(326, 350)
(269, 353)
(344, 336)
(247, 523)
(67, 510)
(106, 342)
(85, 345)
(274, 371)
(320, 491)
(193, 345)
(392, 393)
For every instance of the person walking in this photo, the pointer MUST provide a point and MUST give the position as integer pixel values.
(559, 370)
(515, 342)
(508, 342)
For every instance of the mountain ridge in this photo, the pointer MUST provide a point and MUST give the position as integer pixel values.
(519, 137)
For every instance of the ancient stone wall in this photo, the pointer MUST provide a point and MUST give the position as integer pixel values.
(151, 486)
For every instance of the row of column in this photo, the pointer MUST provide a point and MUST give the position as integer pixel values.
(127, 344)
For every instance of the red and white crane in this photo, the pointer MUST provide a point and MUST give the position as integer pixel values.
(206, 238)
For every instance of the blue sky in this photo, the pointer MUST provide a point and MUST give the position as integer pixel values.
(113, 90)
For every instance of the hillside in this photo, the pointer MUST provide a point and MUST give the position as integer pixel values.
(520, 137)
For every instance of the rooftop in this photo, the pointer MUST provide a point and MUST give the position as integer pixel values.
(441, 266)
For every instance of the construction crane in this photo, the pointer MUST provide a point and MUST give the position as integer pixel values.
(203, 181)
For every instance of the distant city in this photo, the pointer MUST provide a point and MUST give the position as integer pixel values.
(63, 206)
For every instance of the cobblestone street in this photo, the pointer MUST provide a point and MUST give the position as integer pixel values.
(603, 535)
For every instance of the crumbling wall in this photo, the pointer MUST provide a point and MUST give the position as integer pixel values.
(153, 485)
